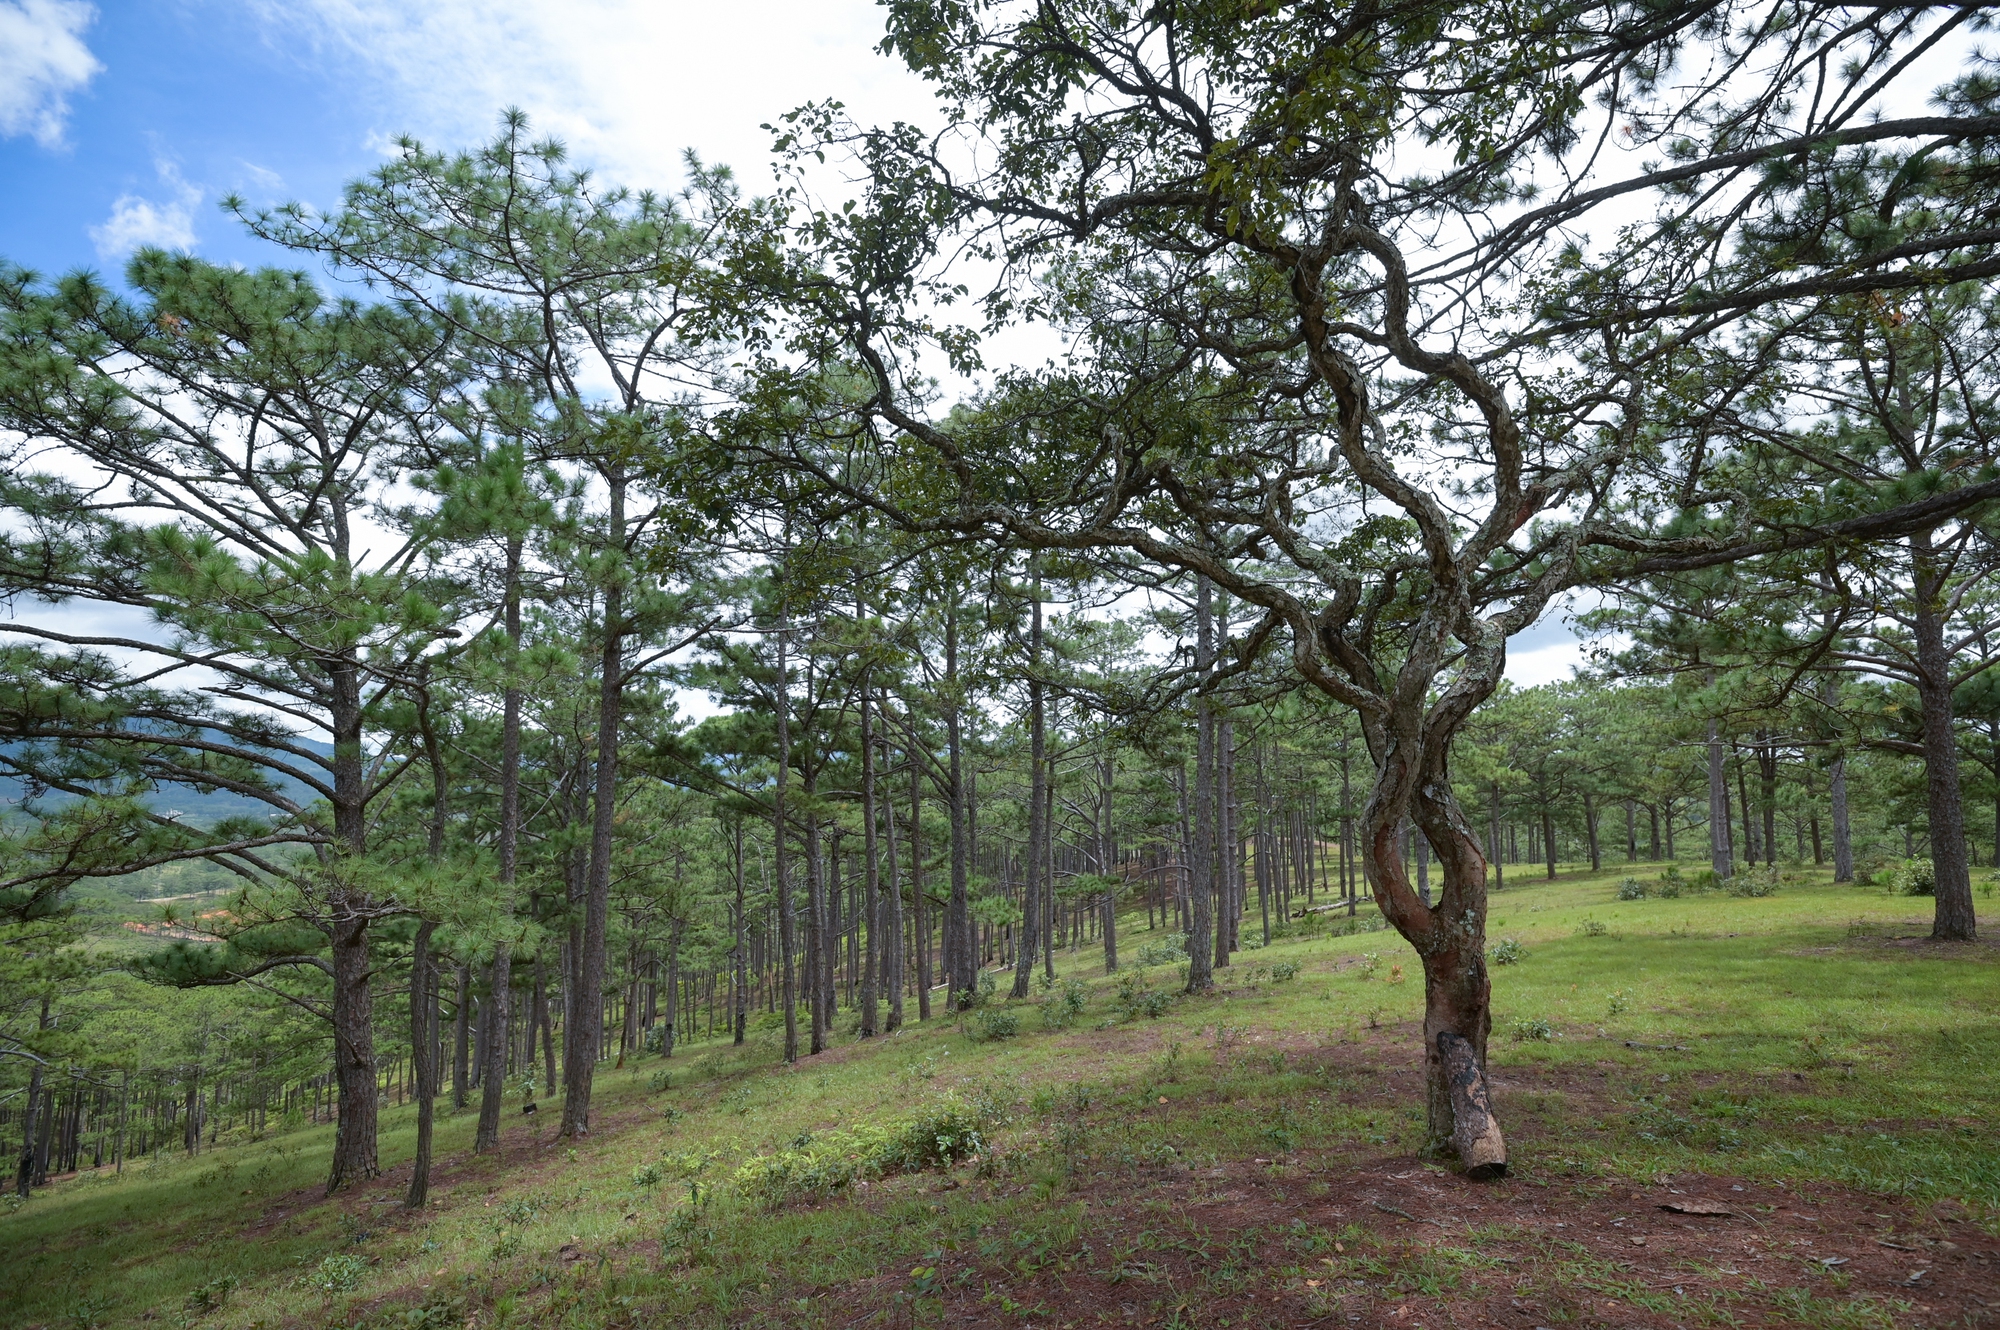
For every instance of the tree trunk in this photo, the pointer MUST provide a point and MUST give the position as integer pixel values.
(1767, 793)
(1590, 830)
(1201, 878)
(960, 962)
(353, 1001)
(493, 1076)
(1033, 885)
(353, 1048)
(1721, 856)
(423, 1059)
(1549, 839)
(24, 1173)
(919, 904)
(583, 1038)
(461, 1039)
(871, 960)
(1953, 919)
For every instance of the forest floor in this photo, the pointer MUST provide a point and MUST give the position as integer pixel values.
(1747, 1112)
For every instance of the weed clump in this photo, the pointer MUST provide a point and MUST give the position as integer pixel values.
(1507, 951)
(1531, 1028)
(336, 1274)
(1631, 889)
(1592, 928)
(1169, 950)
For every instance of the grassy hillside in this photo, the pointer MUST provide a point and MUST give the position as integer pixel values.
(1243, 1159)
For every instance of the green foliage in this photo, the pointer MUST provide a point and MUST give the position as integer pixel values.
(340, 1273)
(1913, 877)
(1592, 928)
(1631, 889)
(1534, 1028)
(1169, 950)
(1061, 1008)
(1134, 996)
(1507, 951)
(991, 1023)
(1283, 971)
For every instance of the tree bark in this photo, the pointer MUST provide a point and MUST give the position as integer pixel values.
(781, 859)
(961, 963)
(1953, 918)
(423, 1060)
(583, 1038)
(1721, 856)
(1033, 885)
(1201, 878)
(872, 871)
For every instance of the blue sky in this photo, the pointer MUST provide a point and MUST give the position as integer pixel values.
(126, 123)
(123, 123)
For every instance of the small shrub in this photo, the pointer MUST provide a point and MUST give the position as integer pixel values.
(646, 1175)
(821, 1166)
(943, 1134)
(1137, 997)
(1063, 1007)
(1705, 880)
(1168, 951)
(1531, 1028)
(1617, 1000)
(659, 1080)
(1913, 877)
(1284, 970)
(1507, 951)
(1370, 963)
(1669, 889)
(1592, 928)
(1754, 885)
(1631, 889)
(991, 1023)
(336, 1274)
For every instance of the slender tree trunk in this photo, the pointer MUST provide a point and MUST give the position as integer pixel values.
(872, 870)
(493, 1077)
(24, 1172)
(1033, 886)
(1549, 839)
(1721, 856)
(1953, 919)
(1590, 831)
(919, 904)
(1767, 793)
(894, 966)
(961, 963)
(781, 859)
(739, 1007)
(462, 1039)
(1201, 880)
(423, 1058)
(583, 1038)
(1107, 855)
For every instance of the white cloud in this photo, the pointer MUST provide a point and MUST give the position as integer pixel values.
(137, 221)
(42, 60)
(627, 84)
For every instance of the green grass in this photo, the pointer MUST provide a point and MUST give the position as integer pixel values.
(1789, 1039)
